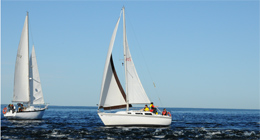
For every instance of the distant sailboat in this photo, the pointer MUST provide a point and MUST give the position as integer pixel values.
(27, 85)
(113, 96)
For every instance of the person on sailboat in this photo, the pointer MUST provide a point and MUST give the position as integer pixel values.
(11, 107)
(165, 113)
(21, 107)
(153, 108)
(145, 108)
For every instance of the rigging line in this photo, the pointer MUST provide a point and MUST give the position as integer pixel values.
(144, 61)
(159, 110)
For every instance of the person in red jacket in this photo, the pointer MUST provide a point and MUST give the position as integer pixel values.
(153, 108)
(165, 112)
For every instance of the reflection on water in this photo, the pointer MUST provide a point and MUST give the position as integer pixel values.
(84, 123)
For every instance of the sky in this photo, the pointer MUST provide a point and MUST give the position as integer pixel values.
(199, 54)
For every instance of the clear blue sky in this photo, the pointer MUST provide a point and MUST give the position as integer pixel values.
(200, 54)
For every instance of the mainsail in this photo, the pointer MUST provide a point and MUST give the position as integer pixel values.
(21, 75)
(36, 96)
(136, 92)
(134, 88)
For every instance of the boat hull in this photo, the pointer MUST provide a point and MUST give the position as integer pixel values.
(25, 115)
(124, 118)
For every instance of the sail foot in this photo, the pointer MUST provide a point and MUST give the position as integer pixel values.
(115, 107)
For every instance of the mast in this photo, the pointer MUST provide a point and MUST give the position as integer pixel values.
(124, 44)
(28, 58)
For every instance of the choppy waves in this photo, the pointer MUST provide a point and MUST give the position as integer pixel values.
(84, 123)
(125, 132)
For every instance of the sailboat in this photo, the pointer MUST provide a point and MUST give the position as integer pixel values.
(27, 85)
(113, 96)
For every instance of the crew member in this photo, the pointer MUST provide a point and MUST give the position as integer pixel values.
(165, 112)
(153, 108)
(146, 108)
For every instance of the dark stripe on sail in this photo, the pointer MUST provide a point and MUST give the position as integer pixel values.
(119, 85)
(116, 77)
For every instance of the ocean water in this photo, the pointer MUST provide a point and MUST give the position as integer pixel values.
(66, 122)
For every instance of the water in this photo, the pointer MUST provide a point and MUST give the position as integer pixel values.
(63, 122)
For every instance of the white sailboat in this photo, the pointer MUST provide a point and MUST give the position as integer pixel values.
(113, 96)
(27, 85)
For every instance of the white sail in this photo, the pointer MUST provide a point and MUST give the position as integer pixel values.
(136, 92)
(134, 88)
(112, 95)
(21, 75)
(36, 96)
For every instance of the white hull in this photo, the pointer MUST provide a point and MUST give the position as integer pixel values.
(25, 115)
(130, 118)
